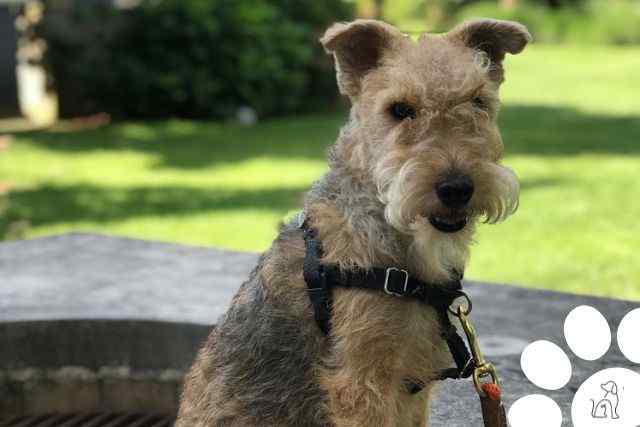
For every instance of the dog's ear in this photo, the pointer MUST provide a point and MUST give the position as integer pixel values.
(358, 48)
(494, 37)
(610, 387)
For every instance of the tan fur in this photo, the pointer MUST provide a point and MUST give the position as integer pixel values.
(373, 208)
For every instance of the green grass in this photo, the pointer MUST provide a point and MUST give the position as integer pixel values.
(571, 124)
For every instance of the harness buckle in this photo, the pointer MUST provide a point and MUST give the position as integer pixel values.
(394, 292)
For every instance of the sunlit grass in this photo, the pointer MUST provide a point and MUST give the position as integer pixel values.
(571, 125)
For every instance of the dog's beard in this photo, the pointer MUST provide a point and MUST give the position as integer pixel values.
(402, 189)
(498, 192)
(407, 193)
(438, 255)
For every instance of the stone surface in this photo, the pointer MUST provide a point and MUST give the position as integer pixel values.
(82, 276)
(121, 307)
(154, 397)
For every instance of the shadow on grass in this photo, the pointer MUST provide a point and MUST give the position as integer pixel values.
(48, 205)
(192, 145)
(532, 130)
(554, 131)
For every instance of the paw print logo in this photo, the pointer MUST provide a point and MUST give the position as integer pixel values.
(610, 397)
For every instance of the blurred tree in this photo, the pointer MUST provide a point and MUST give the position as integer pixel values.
(192, 58)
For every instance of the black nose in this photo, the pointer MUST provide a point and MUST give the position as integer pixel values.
(455, 191)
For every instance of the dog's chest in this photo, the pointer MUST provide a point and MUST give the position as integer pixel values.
(427, 353)
(390, 332)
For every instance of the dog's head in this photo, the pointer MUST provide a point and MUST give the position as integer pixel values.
(423, 125)
(610, 387)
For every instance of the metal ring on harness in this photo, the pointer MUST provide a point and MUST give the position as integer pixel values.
(468, 309)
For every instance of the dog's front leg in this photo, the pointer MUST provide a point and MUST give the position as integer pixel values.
(361, 399)
(363, 377)
(419, 407)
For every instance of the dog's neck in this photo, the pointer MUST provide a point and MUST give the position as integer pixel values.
(350, 220)
(344, 207)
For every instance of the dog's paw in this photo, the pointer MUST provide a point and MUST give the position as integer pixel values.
(610, 397)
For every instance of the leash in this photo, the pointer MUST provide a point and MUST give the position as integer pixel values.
(321, 278)
(490, 392)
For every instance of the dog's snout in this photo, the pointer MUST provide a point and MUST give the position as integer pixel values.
(455, 191)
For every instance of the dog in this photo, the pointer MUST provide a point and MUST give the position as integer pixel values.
(412, 172)
(607, 407)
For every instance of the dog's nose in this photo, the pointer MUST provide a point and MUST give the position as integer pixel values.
(455, 191)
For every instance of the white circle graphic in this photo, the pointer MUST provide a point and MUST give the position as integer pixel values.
(587, 333)
(546, 365)
(608, 398)
(535, 410)
(629, 335)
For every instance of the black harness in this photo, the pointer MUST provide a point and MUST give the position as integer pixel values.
(322, 278)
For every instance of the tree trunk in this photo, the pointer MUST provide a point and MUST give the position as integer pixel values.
(508, 4)
(379, 9)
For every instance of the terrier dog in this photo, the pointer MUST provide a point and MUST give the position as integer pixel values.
(414, 169)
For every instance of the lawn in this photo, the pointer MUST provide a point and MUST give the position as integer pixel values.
(571, 124)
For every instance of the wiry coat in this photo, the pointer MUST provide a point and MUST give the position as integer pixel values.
(267, 363)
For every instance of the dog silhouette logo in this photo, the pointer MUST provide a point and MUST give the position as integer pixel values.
(607, 407)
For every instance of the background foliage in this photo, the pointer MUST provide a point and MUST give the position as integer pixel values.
(191, 58)
(585, 22)
(550, 21)
(198, 58)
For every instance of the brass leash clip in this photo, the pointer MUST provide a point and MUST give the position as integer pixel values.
(483, 369)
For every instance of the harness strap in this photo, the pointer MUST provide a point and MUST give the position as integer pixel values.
(321, 278)
(319, 292)
(458, 349)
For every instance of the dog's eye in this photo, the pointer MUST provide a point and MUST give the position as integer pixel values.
(402, 110)
(480, 103)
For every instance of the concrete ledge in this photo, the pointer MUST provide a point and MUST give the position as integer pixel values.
(94, 365)
(87, 276)
(93, 344)
(104, 323)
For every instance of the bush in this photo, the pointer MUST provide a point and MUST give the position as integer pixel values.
(613, 22)
(194, 58)
(595, 21)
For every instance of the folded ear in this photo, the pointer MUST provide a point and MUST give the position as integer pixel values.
(358, 48)
(494, 37)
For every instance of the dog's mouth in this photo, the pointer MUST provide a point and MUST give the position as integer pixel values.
(451, 223)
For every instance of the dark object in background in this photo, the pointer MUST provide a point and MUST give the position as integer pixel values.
(8, 45)
(99, 419)
(190, 58)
